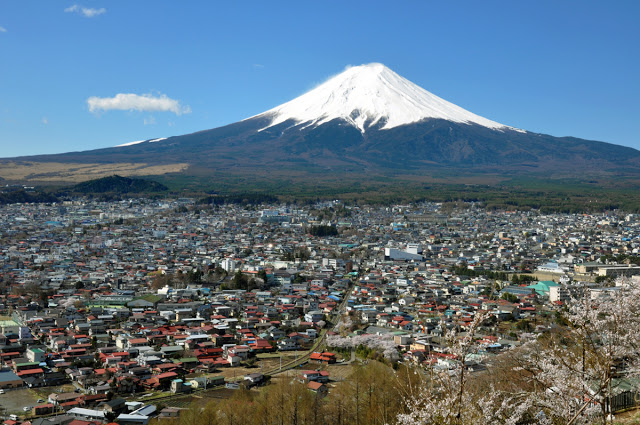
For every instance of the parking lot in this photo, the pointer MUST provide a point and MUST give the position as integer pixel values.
(13, 401)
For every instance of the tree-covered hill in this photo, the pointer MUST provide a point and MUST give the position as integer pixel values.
(118, 184)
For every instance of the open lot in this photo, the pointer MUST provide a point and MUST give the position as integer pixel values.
(73, 173)
(13, 401)
(261, 366)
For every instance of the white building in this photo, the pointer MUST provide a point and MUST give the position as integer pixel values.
(396, 254)
(228, 264)
(559, 293)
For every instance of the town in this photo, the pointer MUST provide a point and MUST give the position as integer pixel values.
(121, 311)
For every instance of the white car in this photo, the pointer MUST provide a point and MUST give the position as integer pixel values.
(26, 408)
(1, 391)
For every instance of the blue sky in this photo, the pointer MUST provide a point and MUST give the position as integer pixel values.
(556, 67)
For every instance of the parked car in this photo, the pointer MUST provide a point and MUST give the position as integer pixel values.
(26, 408)
(1, 391)
(40, 400)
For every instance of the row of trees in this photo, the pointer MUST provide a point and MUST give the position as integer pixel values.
(323, 230)
(372, 394)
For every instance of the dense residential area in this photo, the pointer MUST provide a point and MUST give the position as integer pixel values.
(121, 311)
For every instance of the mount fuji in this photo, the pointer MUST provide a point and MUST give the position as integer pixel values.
(367, 95)
(366, 123)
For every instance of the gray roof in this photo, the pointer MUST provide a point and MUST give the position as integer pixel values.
(54, 420)
(7, 376)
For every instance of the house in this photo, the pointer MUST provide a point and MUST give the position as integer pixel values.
(314, 316)
(9, 379)
(33, 382)
(253, 379)
(288, 344)
(35, 355)
(200, 382)
(132, 419)
(60, 398)
(318, 388)
(115, 405)
(43, 409)
(315, 375)
(179, 386)
(406, 301)
(137, 342)
(87, 414)
(241, 351)
(169, 412)
(325, 357)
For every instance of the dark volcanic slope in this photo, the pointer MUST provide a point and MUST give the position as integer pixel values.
(415, 148)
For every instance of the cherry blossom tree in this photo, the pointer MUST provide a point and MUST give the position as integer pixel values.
(574, 370)
(443, 396)
(381, 343)
(344, 325)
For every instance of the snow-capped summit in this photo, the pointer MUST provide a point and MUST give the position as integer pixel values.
(371, 94)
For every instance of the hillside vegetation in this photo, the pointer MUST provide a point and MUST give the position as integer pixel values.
(118, 184)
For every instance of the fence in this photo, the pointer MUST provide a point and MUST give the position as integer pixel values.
(625, 400)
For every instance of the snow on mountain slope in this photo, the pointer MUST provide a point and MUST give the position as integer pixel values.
(367, 94)
(140, 141)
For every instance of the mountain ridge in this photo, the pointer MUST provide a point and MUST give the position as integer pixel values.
(319, 134)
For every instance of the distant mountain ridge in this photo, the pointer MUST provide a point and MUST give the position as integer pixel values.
(366, 123)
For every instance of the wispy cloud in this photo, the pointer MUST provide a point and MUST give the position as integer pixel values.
(137, 102)
(258, 65)
(87, 12)
(150, 121)
(3, 29)
(45, 121)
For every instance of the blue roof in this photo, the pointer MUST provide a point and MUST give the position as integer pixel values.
(7, 376)
(543, 286)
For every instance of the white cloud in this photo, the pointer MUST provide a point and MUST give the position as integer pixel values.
(3, 29)
(258, 65)
(87, 12)
(137, 102)
(150, 121)
(45, 121)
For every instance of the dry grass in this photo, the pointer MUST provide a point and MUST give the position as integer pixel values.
(338, 372)
(74, 173)
(261, 366)
(631, 417)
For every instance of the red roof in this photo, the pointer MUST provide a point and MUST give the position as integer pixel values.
(30, 372)
(43, 405)
(315, 386)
